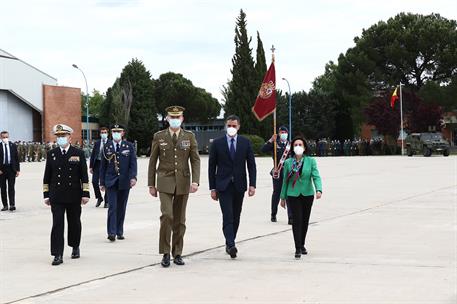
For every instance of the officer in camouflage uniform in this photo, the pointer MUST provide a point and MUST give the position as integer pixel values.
(173, 148)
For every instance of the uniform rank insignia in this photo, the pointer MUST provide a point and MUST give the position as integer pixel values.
(163, 144)
(185, 144)
(74, 159)
(125, 152)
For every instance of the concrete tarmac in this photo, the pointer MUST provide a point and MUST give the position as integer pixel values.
(385, 231)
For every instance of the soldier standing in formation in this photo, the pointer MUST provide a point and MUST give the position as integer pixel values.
(268, 147)
(118, 171)
(173, 148)
(65, 189)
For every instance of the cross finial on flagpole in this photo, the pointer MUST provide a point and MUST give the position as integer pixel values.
(273, 53)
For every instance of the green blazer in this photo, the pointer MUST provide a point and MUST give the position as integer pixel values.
(304, 185)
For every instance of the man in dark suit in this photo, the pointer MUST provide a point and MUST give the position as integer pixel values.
(65, 189)
(94, 165)
(118, 171)
(9, 170)
(228, 158)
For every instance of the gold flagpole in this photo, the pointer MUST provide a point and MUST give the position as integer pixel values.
(274, 117)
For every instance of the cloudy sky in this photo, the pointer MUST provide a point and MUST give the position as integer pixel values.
(192, 37)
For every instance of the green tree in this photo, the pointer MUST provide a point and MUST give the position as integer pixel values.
(95, 102)
(137, 91)
(174, 89)
(442, 95)
(241, 91)
(409, 48)
(112, 108)
(260, 62)
(336, 120)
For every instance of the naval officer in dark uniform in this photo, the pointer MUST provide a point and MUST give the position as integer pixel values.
(65, 189)
(118, 171)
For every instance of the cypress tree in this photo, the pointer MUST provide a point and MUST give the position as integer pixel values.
(260, 63)
(241, 91)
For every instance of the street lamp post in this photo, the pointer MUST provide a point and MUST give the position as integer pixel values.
(87, 104)
(290, 109)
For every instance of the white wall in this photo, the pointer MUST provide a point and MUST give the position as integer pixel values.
(15, 117)
(23, 79)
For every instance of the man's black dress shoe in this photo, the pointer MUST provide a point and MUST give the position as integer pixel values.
(178, 260)
(111, 237)
(57, 260)
(304, 251)
(165, 260)
(105, 205)
(290, 222)
(12, 208)
(233, 251)
(5, 208)
(273, 219)
(298, 253)
(99, 201)
(120, 237)
(75, 253)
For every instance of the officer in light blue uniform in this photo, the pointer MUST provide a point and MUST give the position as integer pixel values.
(118, 171)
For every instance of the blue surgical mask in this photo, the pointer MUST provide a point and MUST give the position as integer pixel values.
(117, 136)
(284, 136)
(175, 123)
(104, 136)
(62, 141)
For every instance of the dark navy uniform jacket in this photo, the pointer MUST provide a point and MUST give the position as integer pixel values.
(124, 159)
(65, 177)
(268, 147)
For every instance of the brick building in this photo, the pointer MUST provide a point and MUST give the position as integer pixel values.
(31, 102)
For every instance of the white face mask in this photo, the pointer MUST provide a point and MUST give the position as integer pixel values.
(5, 140)
(62, 141)
(175, 123)
(231, 131)
(298, 150)
(117, 136)
(284, 136)
(104, 136)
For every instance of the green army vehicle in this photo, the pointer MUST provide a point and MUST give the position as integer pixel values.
(426, 143)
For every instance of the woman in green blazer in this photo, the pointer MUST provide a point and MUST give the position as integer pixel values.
(301, 181)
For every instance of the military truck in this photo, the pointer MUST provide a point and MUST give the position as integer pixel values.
(426, 144)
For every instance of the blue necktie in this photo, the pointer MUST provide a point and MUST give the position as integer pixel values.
(232, 149)
(6, 155)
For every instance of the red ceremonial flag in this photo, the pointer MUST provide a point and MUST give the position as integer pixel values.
(265, 103)
(394, 98)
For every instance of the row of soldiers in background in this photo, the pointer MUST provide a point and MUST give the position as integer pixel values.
(36, 151)
(357, 147)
